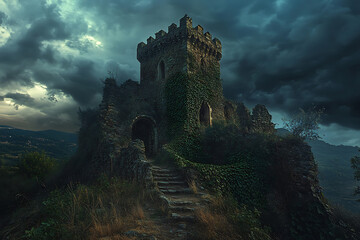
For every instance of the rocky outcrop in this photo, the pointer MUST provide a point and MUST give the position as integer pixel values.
(297, 203)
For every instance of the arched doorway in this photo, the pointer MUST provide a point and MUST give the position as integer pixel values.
(161, 70)
(205, 114)
(144, 128)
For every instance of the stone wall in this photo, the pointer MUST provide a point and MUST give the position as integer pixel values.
(185, 50)
(261, 120)
(114, 152)
(257, 121)
(133, 165)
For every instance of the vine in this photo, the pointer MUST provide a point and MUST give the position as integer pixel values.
(184, 94)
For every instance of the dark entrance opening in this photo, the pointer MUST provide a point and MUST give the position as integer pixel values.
(144, 129)
(162, 70)
(205, 114)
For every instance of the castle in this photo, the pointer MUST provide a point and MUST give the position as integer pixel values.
(180, 91)
(180, 95)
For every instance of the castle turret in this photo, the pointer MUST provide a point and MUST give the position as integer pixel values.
(189, 51)
(167, 53)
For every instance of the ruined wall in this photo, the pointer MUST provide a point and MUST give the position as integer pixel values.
(132, 164)
(256, 121)
(192, 78)
(261, 120)
(119, 107)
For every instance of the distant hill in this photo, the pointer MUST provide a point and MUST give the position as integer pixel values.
(14, 142)
(335, 173)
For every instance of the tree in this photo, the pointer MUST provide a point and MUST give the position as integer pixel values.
(36, 164)
(113, 70)
(305, 124)
(355, 164)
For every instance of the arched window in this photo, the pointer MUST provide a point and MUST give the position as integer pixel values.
(205, 114)
(143, 128)
(161, 70)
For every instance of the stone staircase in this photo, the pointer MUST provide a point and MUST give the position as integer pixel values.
(182, 201)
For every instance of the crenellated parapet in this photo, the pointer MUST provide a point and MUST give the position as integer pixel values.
(183, 35)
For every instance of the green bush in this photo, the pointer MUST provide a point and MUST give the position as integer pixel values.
(36, 165)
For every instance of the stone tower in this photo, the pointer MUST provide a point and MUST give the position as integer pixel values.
(187, 53)
(180, 93)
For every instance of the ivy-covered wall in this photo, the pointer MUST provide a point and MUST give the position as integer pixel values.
(186, 92)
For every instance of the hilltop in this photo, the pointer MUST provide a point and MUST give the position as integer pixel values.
(14, 142)
(172, 158)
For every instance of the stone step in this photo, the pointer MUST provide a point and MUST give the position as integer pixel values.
(182, 217)
(175, 190)
(165, 175)
(182, 203)
(163, 169)
(183, 199)
(171, 183)
(181, 209)
(167, 187)
(167, 178)
(164, 172)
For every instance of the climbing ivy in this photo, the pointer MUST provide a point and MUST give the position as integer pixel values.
(176, 94)
(184, 94)
(241, 174)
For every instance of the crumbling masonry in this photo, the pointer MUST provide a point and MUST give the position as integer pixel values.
(179, 74)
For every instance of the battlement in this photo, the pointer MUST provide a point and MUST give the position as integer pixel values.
(180, 35)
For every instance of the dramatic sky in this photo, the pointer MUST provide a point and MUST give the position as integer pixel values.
(285, 54)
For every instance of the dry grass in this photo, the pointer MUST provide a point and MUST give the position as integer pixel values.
(112, 229)
(193, 187)
(214, 226)
(223, 219)
(213, 222)
(105, 210)
(114, 223)
(138, 212)
(111, 223)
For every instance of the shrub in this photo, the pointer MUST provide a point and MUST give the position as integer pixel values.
(36, 165)
(305, 123)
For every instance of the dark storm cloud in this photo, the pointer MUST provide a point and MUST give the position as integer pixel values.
(2, 17)
(80, 82)
(308, 54)
(19, 55)
(286, 54)
(75, 77)
(28, 46)
(19, 98)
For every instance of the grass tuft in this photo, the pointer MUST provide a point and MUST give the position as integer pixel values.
(223, 219)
